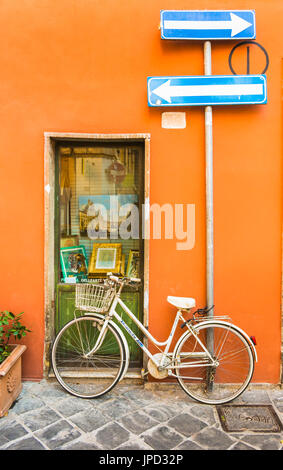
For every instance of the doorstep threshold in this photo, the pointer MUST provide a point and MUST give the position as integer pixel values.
(130, 374)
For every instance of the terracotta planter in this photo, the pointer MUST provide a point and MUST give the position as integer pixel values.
(11, 378)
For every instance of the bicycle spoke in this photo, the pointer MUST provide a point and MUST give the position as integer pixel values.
(232, 372)
(77, 372)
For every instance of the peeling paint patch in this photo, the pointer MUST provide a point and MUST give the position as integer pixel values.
(173, 120)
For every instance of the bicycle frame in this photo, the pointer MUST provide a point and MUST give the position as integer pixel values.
(112, 313)
(99, 324)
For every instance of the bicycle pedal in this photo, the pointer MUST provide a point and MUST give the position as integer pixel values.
(143, 373)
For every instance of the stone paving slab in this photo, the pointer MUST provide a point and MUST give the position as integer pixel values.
(130, 417)
(162, 437)
(138, 422)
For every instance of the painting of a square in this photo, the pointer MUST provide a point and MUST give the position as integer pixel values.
(97, 211)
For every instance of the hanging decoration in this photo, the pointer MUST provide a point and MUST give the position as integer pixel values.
(116, 172)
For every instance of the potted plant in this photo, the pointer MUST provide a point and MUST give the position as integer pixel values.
(10, 359)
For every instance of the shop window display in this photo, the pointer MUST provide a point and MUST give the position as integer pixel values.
(101, 194)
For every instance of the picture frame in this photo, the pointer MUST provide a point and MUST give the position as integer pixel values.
(73, 263)
(133, 266)
(105, 258)
(122, 266)
(92, 218)
(120, 272)
(69, 241)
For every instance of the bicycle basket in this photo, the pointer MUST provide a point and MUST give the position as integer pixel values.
(94, 297)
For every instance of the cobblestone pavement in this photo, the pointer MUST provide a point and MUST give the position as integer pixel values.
(131, 417)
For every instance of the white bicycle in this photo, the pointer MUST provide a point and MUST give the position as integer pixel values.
(213, 360)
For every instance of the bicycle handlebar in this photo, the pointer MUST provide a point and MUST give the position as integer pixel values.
(124, 279)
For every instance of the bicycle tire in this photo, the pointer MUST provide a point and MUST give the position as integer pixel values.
(87, 377)
(233, 373)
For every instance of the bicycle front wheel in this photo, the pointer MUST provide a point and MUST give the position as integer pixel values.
(83, 376)
(233, 358)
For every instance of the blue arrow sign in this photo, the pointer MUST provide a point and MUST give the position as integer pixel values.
(213, 24)
(207, 90)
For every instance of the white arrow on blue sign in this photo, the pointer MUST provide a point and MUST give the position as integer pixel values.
(206, 90)
(212, 24)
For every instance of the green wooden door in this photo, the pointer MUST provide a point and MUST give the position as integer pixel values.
(65, 306)
(132, 300)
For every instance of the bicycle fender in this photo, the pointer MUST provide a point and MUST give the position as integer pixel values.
(120, 332)
(208, 322)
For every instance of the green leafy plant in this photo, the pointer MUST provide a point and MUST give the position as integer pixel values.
(10, 328)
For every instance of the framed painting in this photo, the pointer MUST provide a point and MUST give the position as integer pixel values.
(95, 212)
(105, 258)
(70, 240)
(73, 263)
(133, 266)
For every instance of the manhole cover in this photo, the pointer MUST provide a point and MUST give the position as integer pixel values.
(258, 418)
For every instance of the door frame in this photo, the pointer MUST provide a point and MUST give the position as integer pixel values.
(50, 140)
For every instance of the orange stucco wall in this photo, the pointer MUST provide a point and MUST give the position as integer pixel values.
(81, 66)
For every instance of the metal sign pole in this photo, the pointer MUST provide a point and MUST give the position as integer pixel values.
(209, 189)
(209, 215)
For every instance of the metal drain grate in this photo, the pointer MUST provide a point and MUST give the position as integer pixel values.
(257, 418)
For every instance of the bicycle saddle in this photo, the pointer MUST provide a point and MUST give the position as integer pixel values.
(181, 302)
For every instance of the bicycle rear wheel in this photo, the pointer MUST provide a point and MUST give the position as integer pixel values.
(87, 377)
(235, 363)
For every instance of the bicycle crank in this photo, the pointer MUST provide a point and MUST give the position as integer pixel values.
(154, 370)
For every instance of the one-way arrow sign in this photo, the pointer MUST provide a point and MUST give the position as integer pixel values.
(207, 90)
(214, 24)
